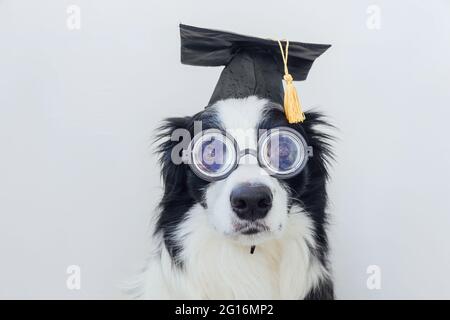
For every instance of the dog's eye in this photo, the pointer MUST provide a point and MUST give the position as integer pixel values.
(282, 152)
(213, 154)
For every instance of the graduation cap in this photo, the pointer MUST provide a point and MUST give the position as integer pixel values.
(253, 66)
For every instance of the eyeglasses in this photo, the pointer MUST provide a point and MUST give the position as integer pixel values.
(213, 154)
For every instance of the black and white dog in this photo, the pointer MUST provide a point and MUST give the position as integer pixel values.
(206, 231)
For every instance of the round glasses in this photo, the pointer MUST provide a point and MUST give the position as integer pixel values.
(213, 154)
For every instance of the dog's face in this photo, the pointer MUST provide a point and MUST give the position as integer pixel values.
(249, 206)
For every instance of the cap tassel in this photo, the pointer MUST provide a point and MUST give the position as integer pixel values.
(292, 106)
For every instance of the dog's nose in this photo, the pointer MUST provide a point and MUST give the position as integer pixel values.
(251, 202)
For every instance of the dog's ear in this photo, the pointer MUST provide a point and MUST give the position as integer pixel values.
(318, 130)
(173, 135)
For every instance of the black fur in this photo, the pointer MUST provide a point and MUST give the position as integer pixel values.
(183, 189)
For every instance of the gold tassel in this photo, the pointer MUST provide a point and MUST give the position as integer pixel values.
(292, 107)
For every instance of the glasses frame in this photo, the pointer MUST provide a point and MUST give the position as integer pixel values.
(188, 154)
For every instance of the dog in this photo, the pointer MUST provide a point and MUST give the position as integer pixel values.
(207, 244)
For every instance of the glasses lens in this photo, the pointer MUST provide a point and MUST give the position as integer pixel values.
(283, 152)
(213, 154)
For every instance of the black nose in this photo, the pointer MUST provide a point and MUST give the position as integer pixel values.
(251, 202)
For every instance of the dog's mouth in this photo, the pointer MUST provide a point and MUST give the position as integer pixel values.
(251, 234)
(250, 228)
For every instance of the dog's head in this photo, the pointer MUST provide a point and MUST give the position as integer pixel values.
(248, 205)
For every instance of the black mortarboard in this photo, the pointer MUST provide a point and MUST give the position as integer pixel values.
(253, 66)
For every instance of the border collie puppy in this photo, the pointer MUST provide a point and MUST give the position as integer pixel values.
(249, 234)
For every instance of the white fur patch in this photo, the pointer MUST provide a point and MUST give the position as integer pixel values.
(214, 268)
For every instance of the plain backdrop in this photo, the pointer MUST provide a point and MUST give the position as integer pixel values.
(78, 109)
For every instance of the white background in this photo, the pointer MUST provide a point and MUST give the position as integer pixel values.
(78, 181)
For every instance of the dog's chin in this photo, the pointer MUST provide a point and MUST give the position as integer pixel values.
(252, 239)
(250, 234)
